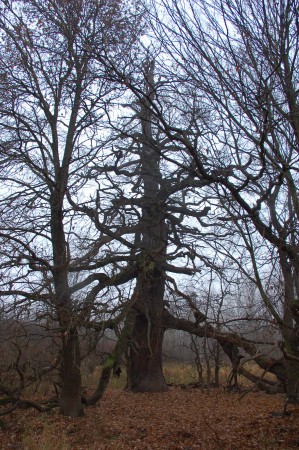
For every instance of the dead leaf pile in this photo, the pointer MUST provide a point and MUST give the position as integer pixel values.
(179, 419)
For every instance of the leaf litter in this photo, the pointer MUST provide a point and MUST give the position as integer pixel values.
(188, 419)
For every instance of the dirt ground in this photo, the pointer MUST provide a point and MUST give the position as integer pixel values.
(179, 419)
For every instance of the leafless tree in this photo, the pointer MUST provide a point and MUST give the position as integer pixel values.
(53, 127)
(240, 60)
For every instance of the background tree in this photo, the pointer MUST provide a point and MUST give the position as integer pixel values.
(241, 59)
(52, 128)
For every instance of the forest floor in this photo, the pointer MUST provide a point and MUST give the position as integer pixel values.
(178, 419)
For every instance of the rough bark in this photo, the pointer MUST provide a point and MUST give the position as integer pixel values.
(145, 354)
(145, 372)
(289, 328)
(291, 354)
(70, 402)
(70, 398)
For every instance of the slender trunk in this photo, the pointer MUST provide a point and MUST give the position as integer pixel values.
(217, 364)
(113, 361)
(207, 361)
(197, 360)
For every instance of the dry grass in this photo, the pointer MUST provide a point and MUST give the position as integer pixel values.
(43, 437)
(176, 374)
(180, 373)
(91, 380)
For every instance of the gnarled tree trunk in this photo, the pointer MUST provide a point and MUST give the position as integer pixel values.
(145, 354)
(145, 372)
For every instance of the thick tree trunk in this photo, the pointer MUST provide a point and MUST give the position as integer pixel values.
(145, 372)
(291, 354)
(70, 399)
(290, 329)
(145, 365)
(293, 381)
(145, 354)
(70, 402)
